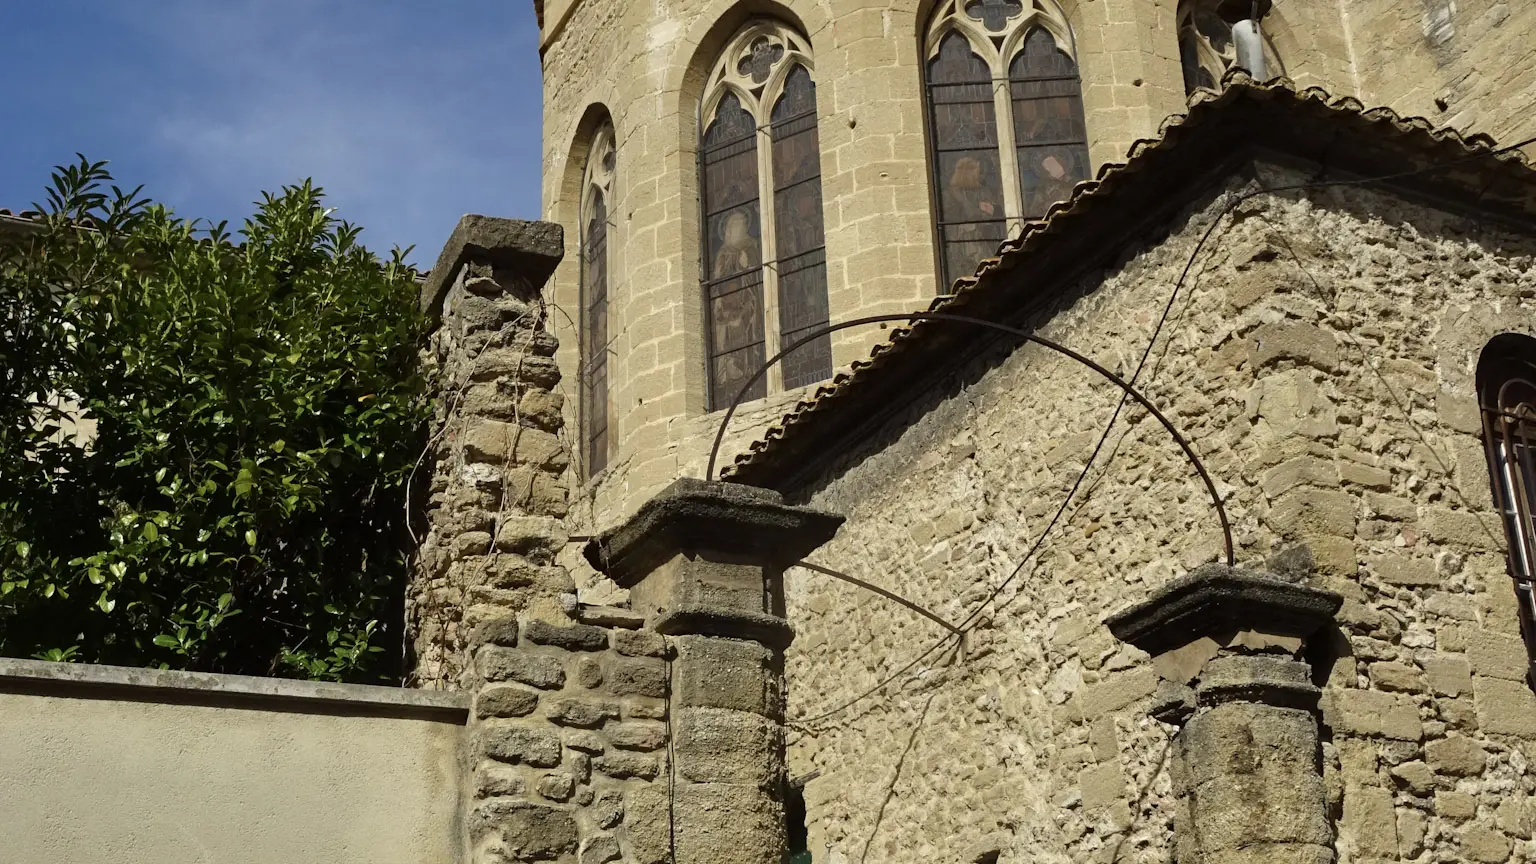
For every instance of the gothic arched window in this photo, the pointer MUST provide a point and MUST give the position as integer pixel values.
(1506, 389)
(760, 189)
(992, 59)
(1206, 46)
(597, 186)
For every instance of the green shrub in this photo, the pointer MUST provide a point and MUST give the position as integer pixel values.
(257, 409)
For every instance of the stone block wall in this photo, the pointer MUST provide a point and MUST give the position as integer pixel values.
(1463, 63)
(1333, 401)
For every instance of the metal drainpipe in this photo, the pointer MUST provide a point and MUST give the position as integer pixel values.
(1250, 47)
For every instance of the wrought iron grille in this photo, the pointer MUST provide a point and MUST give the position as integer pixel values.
(1507, 393)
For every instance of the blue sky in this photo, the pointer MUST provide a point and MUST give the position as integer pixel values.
(409, 114)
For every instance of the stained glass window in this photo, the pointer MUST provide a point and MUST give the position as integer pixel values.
(594, 304)
(800, 235)
(733, 251)
(972, 212)
(1048, 128)
(1006, 125)
(760, 189)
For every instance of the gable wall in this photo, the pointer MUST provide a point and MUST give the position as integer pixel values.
(1338, 415)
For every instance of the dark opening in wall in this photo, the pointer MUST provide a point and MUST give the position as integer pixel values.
(798, 848)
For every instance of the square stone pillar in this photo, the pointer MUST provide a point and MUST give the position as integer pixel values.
(496, 502)
(705, 564)
(1247, 767)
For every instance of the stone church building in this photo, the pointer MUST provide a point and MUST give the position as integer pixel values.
(1177, 505)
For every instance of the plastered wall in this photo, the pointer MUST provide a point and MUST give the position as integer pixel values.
(144, 776)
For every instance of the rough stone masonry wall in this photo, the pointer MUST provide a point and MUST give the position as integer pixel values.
(569, 743)
(496, 494)
(1336, 414)
(641, 62)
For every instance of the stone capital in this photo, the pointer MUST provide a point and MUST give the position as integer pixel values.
(531, 249)
(1221, 603)
(720, 521)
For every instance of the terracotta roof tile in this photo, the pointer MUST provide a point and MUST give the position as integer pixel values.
(1213, 120)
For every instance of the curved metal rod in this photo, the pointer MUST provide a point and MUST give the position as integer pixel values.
(891, 596)
(1210, 485)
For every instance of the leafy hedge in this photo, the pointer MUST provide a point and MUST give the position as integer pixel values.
(257, 410)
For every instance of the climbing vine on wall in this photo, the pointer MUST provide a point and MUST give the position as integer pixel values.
(205, 437)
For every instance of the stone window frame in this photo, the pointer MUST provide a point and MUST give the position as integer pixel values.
(730, 76)
(997, 49)
(597, 192)
(1202, 59)
(1506, 396)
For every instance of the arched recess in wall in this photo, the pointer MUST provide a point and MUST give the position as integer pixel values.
(1006, 134)
(1506, 391)
(1206, 47)
(594, 221)
(762, 242)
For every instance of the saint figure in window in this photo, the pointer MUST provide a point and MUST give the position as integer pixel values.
(1048, 176)
(967, 198)
(738, 248)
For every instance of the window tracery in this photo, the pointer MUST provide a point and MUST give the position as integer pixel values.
(597, 186)
(763, 245)
(1005, 122)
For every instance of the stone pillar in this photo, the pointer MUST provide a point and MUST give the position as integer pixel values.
(495, 456)
(1247, 764)
(704, 563)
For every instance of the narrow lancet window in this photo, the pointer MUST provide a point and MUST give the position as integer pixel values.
(597, 185)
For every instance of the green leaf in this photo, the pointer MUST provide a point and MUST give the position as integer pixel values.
(151, 531)
(225, 599)
(165, 640)
(23, 549)
(250, 538)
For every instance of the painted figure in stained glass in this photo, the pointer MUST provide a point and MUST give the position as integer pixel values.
(969, 197)
(1047, 176)
(738, 251)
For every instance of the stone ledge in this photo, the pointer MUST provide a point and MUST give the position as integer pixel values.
(1214, 600)
(85, 681)
(533, 249)
(692, 515)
